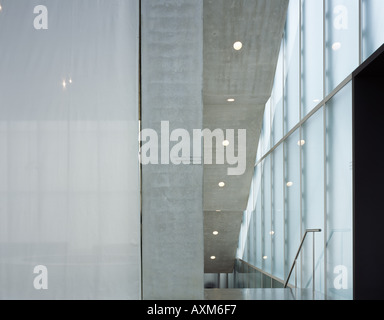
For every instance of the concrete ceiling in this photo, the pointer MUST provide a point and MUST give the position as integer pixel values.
(247, 76)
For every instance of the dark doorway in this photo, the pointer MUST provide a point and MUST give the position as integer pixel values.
(368, 144)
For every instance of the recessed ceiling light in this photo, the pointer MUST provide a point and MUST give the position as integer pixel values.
(70, 80)
(213, 258)
(336, 46)
(237, 45)
(218, 210)
(225, 143)
(215, 233)
(265, 257)
(222, 184)
(231, 100)
(301, 143)
(64, 84)
(1, 8)
(272, 233)
(290, 184)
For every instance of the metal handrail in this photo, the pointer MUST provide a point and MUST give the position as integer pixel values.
(264, 273)
(298, 253)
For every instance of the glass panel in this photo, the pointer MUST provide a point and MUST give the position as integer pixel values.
(278, 213)
(342, 40)
(267, 201)
(252, 240)
(312, 55)
(70, 115)
(292, 200)
(277, 99)
(312, 146)
(258, 216)
(339, 195)
(373, 35)
(291, 66)
(266, 138)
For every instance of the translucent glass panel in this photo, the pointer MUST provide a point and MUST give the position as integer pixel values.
(266, 132)
(266, 217)
(252, 240)
(372, 19)
(312, 55)
(342, 40)
(277, 101)
(258, 216)
(339, 195)
(292, 67)
(277, 232)
(70, 193)
(312, 148)
(292, 199)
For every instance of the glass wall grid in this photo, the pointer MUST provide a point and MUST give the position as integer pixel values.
(334, 37)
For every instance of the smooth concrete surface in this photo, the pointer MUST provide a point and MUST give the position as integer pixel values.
(172, 195)
(246, 76)
(262, 294)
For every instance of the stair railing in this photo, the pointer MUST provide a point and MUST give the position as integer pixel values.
(313, 231)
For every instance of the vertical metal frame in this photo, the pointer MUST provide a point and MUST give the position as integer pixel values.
(325, 146)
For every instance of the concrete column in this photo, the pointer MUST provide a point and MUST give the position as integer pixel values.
(172, 208)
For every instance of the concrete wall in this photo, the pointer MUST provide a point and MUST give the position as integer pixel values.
(172, 209)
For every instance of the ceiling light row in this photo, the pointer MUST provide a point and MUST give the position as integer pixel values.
(238, 45)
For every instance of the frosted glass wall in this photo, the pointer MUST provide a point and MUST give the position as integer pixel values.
(291, 67)
(69, 174)
(339, 194)
(342, 40)
(306, 174)
(312, 190)
(372, 20)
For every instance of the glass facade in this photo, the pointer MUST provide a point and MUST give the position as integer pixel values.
(303, 173)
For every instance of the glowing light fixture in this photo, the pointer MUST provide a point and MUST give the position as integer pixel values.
(213, 258)
(222, 184)
(237, 45)
(231, 100)
(225, 143)
(289, 184)
(215, 233)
